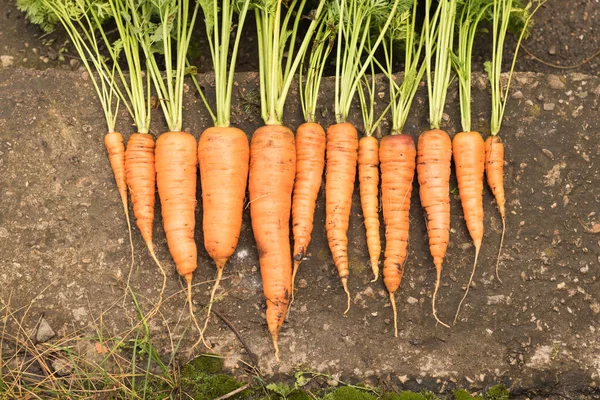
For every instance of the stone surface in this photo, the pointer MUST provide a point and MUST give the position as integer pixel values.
(67, 251)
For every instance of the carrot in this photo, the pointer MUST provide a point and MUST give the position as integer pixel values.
(434, 152)
(176, 165)
(342, 155)
(397, 151)
(502, 15)
(494, 171)
(272, 171)
(223, 156)
(113, 141)
(141, 179)
(397, 154)
(467, 146)
(434, 148)
(310, 141)
(469, 160)
(273, 154)
(368, 178)
(310, 162)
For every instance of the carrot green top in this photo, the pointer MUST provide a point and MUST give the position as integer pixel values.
(355, 19)
(219, 34)
(401, 96)
(471, 13)
(439, 36)
(276, 41)
(506, 14)
(170, 36)
(321, 48)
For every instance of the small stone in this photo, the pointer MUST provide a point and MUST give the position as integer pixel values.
(332, 382)
(403, 379)
(74, 63)
(498, 299)
(62, 367)
(595, 307)
(44, 332)
(7, 61)
(548, 154)
(412, 300)
(552, 50)
(446, 117)
(517, 95)
(555, 83)
(549, 106)
(3, 233)
(86, 128)
(302, 283)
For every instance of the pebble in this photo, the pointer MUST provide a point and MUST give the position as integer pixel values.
(74, 63)
(412, 300)
(62, 367)
(446, 117)
(517, 95)
(3, 233)
(555, 83)
(302, 283)
(552, 50)
(7, 61)
(44, 332)
(549, 106)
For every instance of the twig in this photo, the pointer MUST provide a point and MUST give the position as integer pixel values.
(252, 355)
(585, 61)
(236, 391)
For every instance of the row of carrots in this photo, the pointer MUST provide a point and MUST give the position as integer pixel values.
(283, 171)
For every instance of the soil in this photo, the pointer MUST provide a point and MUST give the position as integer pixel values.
(65, 247)
(64, 243)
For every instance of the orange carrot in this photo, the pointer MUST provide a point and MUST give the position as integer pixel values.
(176, 165)
(494, 170)
(434, 153)
(272, 172)
(368, 178)
(310, 162)
(140, 171)
(141, 179)
(469, 159)
(342, 155)
(397, 154)
(223, 155)
(113, 141)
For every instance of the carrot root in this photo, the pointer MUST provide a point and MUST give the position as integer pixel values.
(115, 147)
(342, 158)
(188, 280)
(368, 177)
(345, 285)
(393, 301)
(477, 248)
(212, 297)
(435, 291)
(500, 250)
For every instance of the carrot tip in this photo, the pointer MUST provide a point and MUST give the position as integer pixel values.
(345, 284)
(276, 346)
(393, 301)
(437, 286)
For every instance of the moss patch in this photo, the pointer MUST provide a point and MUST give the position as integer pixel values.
(349, 393)
(498, 392)
(202, 380)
